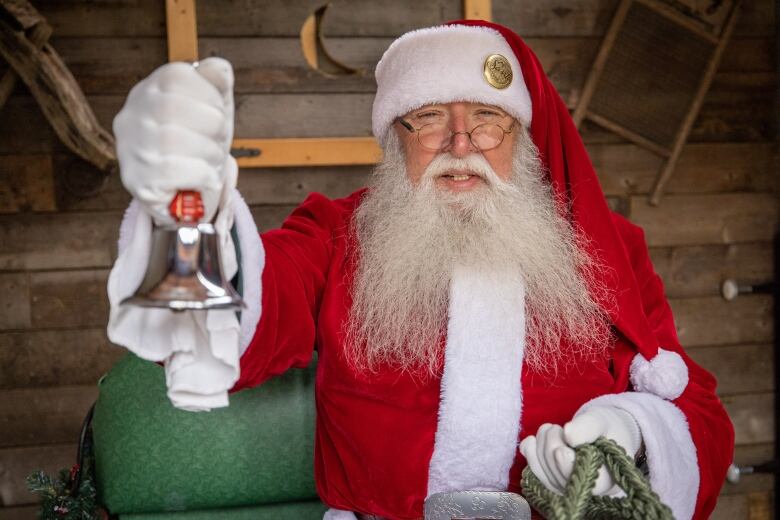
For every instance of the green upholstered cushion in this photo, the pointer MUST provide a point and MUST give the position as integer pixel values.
(151, 457)
(312, 510)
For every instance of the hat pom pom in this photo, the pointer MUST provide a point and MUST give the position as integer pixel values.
(665, 375)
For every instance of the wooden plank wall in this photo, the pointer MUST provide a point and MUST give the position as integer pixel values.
(58, 224)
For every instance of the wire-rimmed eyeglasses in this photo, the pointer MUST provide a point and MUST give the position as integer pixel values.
(436, 137)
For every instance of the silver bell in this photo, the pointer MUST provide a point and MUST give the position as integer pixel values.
(184, 270)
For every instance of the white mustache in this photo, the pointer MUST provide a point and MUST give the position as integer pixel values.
(475, 164)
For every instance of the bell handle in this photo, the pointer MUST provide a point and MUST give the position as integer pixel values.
(186, 207)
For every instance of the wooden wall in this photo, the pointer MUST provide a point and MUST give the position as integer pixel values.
(58, 224)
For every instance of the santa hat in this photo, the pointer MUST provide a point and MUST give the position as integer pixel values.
(478, 61)
(448, 63)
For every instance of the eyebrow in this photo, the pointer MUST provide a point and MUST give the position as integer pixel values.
(491, 107)
(426, 107)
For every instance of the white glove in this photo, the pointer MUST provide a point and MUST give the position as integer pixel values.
(174, 133)
(550, 453)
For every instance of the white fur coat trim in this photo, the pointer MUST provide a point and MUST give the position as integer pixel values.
(444, 64)
(481, 401)
(671, 454)
(201, 350)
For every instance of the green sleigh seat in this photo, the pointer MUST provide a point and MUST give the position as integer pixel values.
(252, 460)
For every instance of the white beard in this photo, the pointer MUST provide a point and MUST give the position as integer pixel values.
(410, 237)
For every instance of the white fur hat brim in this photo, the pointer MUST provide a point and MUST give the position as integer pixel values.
(442, 65)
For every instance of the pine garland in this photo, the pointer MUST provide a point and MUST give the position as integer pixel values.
(577, 502)
(58, 502)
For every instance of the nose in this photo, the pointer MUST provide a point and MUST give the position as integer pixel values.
(460, 146)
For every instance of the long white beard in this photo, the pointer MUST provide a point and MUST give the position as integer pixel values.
(410, 237)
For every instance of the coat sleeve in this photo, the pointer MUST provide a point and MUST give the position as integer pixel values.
(690, 440)
(294, 270)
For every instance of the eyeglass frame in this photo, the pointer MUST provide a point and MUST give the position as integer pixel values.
(408, 126)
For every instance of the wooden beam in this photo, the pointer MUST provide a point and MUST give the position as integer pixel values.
(723, 218)
(675, 16)
(38, 31)
(182, 30)
(306, 151)
(628, 134)
(56, 92)
(477, 10)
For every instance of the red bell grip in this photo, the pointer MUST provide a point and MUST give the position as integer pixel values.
(187, 206)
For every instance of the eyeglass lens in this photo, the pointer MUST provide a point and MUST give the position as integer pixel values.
(437, 136)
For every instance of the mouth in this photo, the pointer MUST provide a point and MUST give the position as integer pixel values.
(459, 180)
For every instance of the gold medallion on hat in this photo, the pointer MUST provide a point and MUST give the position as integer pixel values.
(497, 71)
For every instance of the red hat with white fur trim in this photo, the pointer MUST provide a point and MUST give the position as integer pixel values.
(444, 64)
(477, 61)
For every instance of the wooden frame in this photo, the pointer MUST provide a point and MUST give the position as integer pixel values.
(478, 10)
(181, 22)
(182, 29)
(672, 153)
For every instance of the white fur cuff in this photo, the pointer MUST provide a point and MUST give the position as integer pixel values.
(671, 454)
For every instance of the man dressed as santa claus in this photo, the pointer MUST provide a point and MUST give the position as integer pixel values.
(476, 309)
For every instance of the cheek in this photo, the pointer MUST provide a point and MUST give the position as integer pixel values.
(411, 169)
(504, 168)
(501, 160)
(416, 162)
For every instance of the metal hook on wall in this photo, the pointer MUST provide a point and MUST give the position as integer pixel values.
(735, 473)
(731, 288)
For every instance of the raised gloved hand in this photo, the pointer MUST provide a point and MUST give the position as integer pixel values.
(174, 133)
(550, 452)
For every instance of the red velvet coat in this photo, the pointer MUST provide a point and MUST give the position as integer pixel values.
(375, 435)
